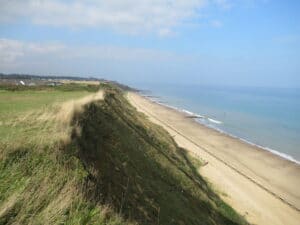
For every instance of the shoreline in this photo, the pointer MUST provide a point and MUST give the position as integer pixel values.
(259, 184)
(197, 118)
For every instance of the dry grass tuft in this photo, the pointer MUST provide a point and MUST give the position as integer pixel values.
(9, 203)
(60, 203)
(68, 109)
(53, 123)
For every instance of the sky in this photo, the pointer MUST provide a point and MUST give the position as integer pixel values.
(210, 42)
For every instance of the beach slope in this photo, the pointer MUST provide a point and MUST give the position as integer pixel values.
(258, 184)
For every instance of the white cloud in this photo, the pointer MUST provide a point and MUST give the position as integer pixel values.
(10, 50)
(13, 50)
(160, 17)
(130, 16)
(164, 32)
(97, 60)
(14, 53)
(216, 23)
(224, 4)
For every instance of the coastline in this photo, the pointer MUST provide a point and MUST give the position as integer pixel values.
(254, 180)
(198, 117)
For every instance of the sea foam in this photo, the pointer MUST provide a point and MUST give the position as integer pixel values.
(214, 121)
(203, 121)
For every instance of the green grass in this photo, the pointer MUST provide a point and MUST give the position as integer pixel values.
(116, 168)
(20, 108)
(39, 184)
(18, 101)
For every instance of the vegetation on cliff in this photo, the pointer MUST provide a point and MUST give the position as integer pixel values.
(74, 155)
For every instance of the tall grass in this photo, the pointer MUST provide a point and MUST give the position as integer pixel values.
(89, 158)
(39, 184)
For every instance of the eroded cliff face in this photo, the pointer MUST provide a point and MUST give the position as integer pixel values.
(107, 165)
(136, 168)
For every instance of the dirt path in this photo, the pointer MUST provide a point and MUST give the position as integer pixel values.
(259, 185)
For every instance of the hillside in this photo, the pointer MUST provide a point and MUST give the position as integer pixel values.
(76, 155)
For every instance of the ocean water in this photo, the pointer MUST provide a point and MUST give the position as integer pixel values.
(268, 117)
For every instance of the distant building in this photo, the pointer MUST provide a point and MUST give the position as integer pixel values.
(54, 83)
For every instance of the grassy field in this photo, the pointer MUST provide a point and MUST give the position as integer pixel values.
(91, 161)
(23, 110)
(37, 187)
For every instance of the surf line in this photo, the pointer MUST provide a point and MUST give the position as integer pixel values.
(219, 159)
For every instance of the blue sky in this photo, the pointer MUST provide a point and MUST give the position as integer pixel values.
(219, 42)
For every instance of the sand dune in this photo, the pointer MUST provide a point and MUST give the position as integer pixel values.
(258, 184)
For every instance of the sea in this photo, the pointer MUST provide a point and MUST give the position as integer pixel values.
(264, 116)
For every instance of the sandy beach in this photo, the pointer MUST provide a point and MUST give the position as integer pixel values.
(263, 187)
